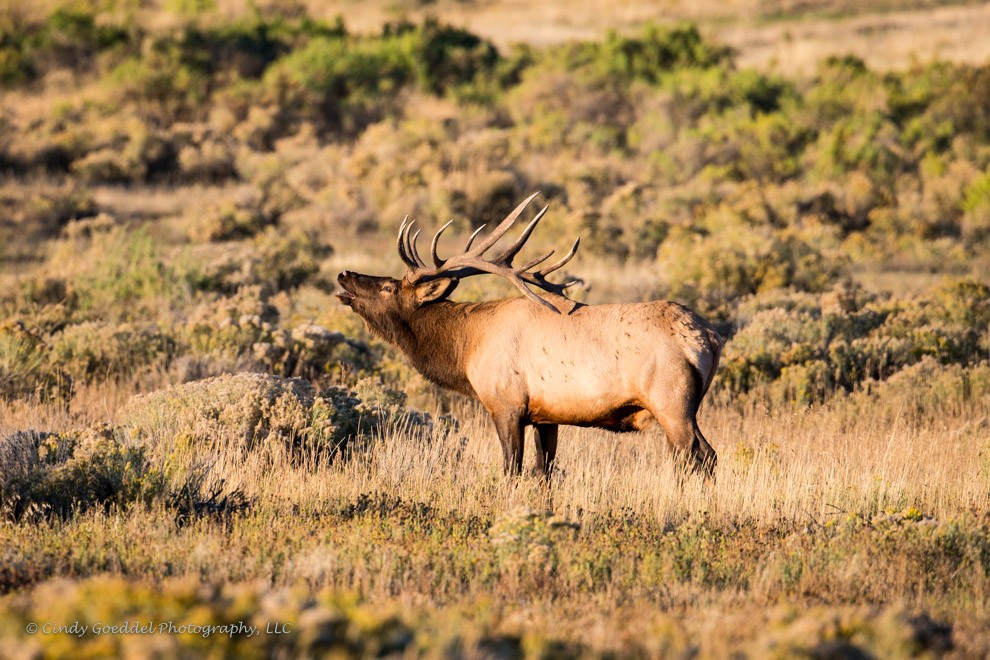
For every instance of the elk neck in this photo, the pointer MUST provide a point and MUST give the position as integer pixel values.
(437, 341)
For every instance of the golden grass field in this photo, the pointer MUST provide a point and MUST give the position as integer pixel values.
(194, 431)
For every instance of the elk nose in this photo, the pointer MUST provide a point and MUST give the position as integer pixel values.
(343, 274)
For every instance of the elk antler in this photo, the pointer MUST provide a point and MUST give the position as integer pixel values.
(471, 261)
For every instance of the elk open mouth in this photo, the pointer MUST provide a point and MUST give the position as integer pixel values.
(345, 295)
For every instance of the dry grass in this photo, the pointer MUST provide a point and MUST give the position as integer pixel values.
(413, 528)
(774, 468)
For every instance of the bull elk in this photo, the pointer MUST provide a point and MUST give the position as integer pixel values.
(544, 360)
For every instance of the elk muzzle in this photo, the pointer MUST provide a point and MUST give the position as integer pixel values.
(344, 279)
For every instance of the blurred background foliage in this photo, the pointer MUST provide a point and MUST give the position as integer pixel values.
(174, 192)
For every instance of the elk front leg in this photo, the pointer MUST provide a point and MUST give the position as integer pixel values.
(511, 431)
(545, 438)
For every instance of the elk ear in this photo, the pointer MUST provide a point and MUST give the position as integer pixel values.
(435, 290)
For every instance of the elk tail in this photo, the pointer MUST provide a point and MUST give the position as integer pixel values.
(714, 342)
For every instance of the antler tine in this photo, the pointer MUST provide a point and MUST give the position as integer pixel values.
(473, 236)
(415, 250)
(507, 256)
(472, 261)
(560, 264)
(526, 291)
(503, 227)
(408, 244)
(535, 262)
(400, 243)
(437, 261)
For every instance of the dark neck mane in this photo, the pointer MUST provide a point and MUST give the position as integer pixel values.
(435, 339)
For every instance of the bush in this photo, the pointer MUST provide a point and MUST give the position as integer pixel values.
(976, 209)
(97, 352)
(805, 348)
(851, 632)
(240, 413)
(341, 86)
(273, 260)
(315, 625)
(60, 474)
(712, 266)
(41, 212)
(227, 221)
(118, 273)
(25, 369)
(525, 544)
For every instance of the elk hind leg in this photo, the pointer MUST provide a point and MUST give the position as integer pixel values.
(687, 441)
(545, 439)
(677, 414)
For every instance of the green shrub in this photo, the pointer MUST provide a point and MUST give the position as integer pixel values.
(341, 85)
(25, 369)
(976, 207)
(59, 474)
(805, 348)
(649, 56)
(69, 37)
(445, 57)
(239, 413)
(118, 273)
(96, 352)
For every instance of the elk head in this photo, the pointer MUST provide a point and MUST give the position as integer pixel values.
(386, 304)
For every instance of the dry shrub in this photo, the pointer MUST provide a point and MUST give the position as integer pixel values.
(929, 388)
(25, 368)
(285, 421)
(558, 108)
(96, 351)
(712, 266)
(328, 623)
(850, 631)
(45, 473)
(808, 347)
(40, 211)
(525, 546)
(226, 221)
(209, 159)
(246, 411)
(131, 152)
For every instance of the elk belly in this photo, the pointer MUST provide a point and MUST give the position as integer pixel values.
(581, 399)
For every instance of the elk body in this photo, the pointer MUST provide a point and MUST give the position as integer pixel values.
(543, 360)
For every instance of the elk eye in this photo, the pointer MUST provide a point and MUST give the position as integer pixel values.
(388, 287)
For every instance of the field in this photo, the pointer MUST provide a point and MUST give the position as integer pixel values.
(198, 439)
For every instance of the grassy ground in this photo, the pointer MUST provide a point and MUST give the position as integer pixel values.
(825, 528)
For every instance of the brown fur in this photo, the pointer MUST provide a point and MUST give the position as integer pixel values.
(609, 366)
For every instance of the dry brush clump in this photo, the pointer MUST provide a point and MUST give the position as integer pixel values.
(182, 446)
(804, 348)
